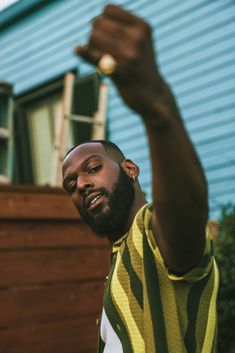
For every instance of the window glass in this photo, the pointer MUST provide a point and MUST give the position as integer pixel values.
(43, 122)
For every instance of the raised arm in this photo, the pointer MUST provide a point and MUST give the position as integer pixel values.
(179, 187)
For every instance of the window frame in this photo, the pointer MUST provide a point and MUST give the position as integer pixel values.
(23, 163)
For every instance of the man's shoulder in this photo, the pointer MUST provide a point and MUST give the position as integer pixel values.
(141, 227)
(143, 218)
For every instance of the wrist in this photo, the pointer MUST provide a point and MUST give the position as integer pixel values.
(161, 108)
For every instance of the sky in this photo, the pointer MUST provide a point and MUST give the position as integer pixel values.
(5, 3)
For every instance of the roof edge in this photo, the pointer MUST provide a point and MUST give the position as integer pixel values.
(18, 10)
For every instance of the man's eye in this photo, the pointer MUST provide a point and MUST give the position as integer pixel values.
(71, 187)
(94, 169)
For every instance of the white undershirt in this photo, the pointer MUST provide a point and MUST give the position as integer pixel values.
(109, 336)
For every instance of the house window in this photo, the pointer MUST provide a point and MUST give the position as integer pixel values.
(39, 120)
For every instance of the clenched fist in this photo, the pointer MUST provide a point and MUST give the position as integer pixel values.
(128, 39)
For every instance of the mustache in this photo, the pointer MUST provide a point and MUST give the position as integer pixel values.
(101, 190)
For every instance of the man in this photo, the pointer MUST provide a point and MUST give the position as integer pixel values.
(161, 291)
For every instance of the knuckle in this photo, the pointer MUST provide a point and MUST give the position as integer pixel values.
(139, 36)
(97, 22)
(92, 38)
(146, 28)
(142, 33)
(107, 9)
(131, 56)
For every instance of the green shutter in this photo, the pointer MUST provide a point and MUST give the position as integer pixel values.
(85, 103)
(6, 132)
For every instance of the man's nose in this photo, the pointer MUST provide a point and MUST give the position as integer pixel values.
(83, 184)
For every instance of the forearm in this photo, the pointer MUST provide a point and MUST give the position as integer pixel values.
(179, 186)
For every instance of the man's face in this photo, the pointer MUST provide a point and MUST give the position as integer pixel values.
(100, 189)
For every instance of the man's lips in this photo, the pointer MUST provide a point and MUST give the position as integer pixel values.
(92, 200)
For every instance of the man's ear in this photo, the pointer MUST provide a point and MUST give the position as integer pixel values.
(130, 168)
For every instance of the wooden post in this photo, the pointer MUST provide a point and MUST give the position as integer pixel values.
(62, 125)
(98, 129)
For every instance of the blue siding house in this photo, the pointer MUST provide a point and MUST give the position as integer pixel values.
(195, 49)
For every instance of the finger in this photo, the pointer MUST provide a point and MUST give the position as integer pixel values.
(102, 41)
(90, 54)
(114, 38)
(108, 35)
(121, 15)
(109, 27)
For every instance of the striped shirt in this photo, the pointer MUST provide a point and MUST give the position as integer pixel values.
(152, 310)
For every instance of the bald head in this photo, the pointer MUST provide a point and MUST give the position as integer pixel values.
(109, 147)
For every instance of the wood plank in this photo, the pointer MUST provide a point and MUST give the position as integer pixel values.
(36, 206)
(35, 202)
(31, 189)
(70, 336)
(21, 306)
(49, 234)
(50, 266)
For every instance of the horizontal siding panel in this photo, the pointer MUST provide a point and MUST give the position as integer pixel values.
(196, 55)
(214, 116)
(224, 195)
(196, 51)
(214, 131)
(118, 120)
(49, 19)
(222, 198)
(169, 12)
(45, 75)
(207, 93)
(190, 15)
(207, 58)
(227, 94)
(221, 172)
(135, 146)
(193, 34)
(58, 36)
(215, 146)
(228, 183)
(219, 102)
(210, 79)
(225, 168)
(140, 154)
(212, 158)
(228, 178)
(202, 144)
(222, 150)
(136, 130)
(38, 67)
(33, 56)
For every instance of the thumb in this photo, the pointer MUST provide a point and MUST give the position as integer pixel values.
(89, 54)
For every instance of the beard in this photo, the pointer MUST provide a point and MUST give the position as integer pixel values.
(111, 223)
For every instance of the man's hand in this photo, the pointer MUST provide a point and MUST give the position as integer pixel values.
(128, 39)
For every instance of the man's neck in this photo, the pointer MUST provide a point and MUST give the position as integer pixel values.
(138, 203)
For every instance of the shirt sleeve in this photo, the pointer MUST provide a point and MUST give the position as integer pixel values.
(200, 270)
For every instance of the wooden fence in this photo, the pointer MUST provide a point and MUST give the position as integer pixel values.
(52, 272)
